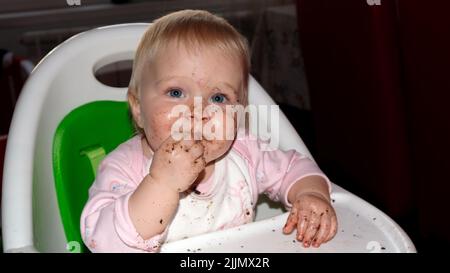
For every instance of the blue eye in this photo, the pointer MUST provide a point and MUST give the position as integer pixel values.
(176, 93)
(218, 98)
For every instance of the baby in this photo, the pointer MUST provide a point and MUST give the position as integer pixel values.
(156, 188)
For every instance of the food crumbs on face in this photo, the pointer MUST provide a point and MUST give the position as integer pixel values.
(322, 214)
(161, 221)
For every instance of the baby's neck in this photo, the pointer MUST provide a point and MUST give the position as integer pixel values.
(148, 153)
(204, 175)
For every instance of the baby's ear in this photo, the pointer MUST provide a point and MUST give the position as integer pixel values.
(135, 107)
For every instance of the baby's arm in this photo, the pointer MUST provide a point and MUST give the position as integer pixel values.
(310, 184)
(152, 207)
(175, 166)
(105, 222)
(110, 221)
(297, 182)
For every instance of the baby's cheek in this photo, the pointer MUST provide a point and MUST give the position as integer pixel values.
(230, 120)
(159, 128)
(221, 125)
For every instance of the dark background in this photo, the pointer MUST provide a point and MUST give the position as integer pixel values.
(380, 89)
(373, 87)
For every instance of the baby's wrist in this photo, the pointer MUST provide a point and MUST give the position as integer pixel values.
(163, 185)
(320, 195)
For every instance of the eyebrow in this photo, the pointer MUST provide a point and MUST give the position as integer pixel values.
(174, 77)
(166, 79)
(229, 86)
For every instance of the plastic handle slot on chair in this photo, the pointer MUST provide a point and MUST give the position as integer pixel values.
(95, 154)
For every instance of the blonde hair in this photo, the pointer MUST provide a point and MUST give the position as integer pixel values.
(194, 29)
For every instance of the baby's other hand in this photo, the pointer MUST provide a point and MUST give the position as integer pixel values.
(314, 218)
(177, 164)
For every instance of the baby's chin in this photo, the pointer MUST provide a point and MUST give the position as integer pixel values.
(214, 149)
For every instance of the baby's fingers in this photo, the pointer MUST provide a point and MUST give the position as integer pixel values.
(324, 231)
(313, 227)
(199, 164)
(303, 222)
(291, 222)
(333, 228)
(196, 150)
(186, 144)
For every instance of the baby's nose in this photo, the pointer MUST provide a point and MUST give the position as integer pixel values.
(198, 107)
(200, 117)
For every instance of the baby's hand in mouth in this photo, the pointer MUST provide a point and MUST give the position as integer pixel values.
(177, 164)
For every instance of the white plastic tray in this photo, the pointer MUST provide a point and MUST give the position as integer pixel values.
(362, 228)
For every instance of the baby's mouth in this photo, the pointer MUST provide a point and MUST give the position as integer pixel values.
(203, 138)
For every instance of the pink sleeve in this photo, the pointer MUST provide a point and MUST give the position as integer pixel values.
(276, 171)
(105, 222)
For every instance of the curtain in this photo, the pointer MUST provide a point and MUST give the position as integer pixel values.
(379, 90)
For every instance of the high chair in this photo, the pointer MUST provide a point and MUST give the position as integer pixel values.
(66, 121)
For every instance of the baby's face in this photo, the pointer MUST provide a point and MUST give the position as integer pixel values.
(180, 77)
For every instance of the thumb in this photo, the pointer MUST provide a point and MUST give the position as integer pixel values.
(291, 222)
